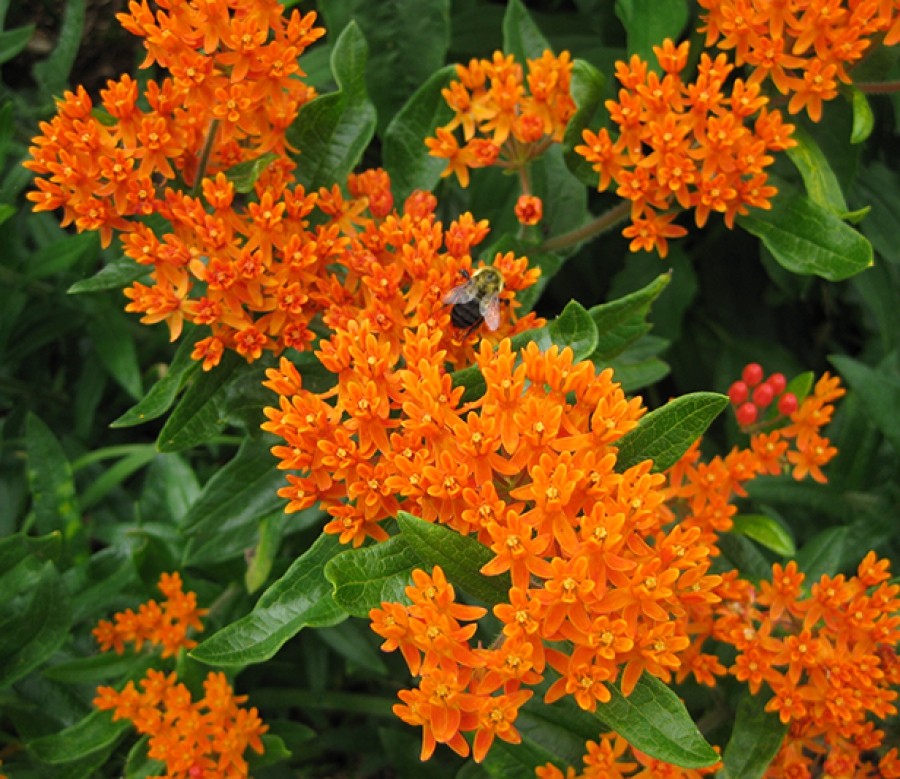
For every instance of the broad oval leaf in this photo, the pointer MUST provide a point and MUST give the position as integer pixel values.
(301, 598)
(766, 531)
(574, 328)
(366, 577)
(665, 434)
(808, 239)
(408, 41)
(406, 157)
(110, 332)
(460, 557)
(334, 130)
(649, 22)
(755, 740)
(654, 720)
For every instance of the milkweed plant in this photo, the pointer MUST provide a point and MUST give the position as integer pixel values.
(410, 518)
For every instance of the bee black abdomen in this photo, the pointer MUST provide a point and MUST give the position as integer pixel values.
(465, 315)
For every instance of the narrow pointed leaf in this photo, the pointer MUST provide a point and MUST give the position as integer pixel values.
(808, 239)
(879, 391)
(244, 174)
(363, 578)
(863, 118)
(755, 740)
(587, 85)
(95, 732)
(51, 482)
(301, 598)
(333, 130)
(116, 275)
(654, 720)
(649, 22)
(766, 531)
(665, 434)
(822, 185)
(521, 36)
(460, 557)
(406, 157)
(621, 322)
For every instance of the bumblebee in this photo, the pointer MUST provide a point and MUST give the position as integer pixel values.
(476, 300)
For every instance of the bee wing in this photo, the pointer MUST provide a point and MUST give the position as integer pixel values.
(490, 310)
(461, 294)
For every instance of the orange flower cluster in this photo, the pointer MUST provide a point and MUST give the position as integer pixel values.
(829, 657)
(455, 695)
(614, 758)
(233, 93)
(699, 494)
(205, 739)
(684, 145)
(166, 624)
(804, 46)
(490, 99)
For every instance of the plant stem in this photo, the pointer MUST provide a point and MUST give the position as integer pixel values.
(878, 87)
(204, 156)
(599, 225)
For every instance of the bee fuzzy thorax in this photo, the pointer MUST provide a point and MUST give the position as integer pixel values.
(477, 299)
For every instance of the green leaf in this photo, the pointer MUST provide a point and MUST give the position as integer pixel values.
(807, 239)
(822, 185)
(31, 637)
(95, 732)
(460, 557)
(162, 394)
(406, 157)
(408, 41)
(274, 751)
(110, 332)
(766, 531)
(244, 174)
(863, 119)
(334, 130)
(22, 575)
(801, 385)
(262, 556)
(879, 186)
(665, 434)
(823, 554)
(116, 275)
(14, 549)
(587, 88)
(879, 391)
(649, 22)
(755, 740)
(61, 255)
(622, 322)
(514, 761)
(113, 477)
(301, 598)
(745, 556)
(521, 36)
(575, 328)
(351, 640)
(198, 417)
(654, 720)
(51, 482)
(563, 195)
(93, 669)
(52, 74)
(366, 577)
(232, 503)
(14, 41)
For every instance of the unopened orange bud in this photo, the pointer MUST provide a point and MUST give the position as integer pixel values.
(529, 209)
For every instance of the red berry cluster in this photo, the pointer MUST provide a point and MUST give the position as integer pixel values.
(747, 407)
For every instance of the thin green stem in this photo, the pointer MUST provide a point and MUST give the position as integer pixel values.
(878, 87)
(599, 225)
(204, 156)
